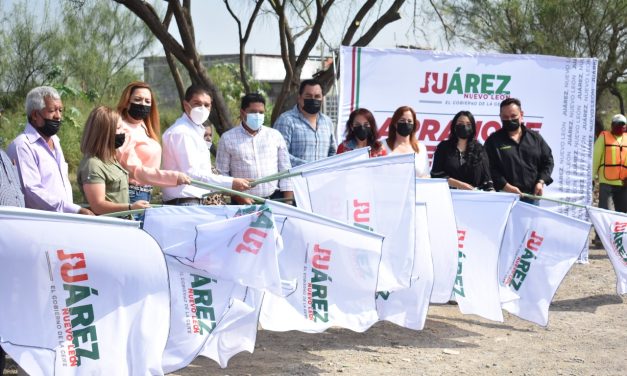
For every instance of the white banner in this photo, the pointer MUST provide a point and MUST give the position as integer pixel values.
(612, 228)
(539, 248)
(442, 235)
(408, 307)
(92, 295)
(481, 218)
(377, 194)
(336, 267)
(557, 94)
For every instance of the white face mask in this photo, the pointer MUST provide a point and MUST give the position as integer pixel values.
(199, 114)
(208, 145)
(255, 121)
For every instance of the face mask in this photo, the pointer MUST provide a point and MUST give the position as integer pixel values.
(138, 111)
(511, 125)
(50, 128)
(312, 106)
(199, 114)
(119, 139)
(254, 121)
(463, 131)
(209, 143)
(404, 129)
(361, 132)
(618, 128)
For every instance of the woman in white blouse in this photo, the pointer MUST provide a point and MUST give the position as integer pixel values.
(402, 139)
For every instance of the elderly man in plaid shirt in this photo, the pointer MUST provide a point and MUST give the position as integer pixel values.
(254, 151)
(307, 132)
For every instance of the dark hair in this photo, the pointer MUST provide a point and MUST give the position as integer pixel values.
(374, 134)
(195, 89)
(392, 130)
(310, 82)
(252, 98)
(508, 101)
(473, 151)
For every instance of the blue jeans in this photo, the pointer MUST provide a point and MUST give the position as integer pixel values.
(135, 195)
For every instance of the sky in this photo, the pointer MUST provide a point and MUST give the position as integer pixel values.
(216, 31)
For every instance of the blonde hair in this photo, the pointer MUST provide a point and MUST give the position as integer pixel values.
(152, 121)
(99, 135)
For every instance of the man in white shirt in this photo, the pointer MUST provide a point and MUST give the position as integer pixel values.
(255, 151)
(185, 150)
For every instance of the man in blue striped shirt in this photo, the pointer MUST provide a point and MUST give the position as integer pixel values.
(308, 133)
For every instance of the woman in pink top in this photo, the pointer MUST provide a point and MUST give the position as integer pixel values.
(140, 154)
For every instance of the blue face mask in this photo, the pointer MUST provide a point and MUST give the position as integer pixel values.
(254, 121)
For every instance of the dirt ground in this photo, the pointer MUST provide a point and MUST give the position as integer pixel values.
(586, 335)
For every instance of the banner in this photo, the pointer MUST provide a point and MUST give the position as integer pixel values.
(336, 268)
(442, 235)
(408, 307)
(377, 194)
(612, 227)
(539, 248)
(481, 218)
(81, 295)
(557, 94)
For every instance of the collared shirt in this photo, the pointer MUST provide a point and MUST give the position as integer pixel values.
(449, 162)
(242, 155)
(140, 155)
(185, 150)
(115, 178)
(43, 172)
(10, 191)
(304, 143)
(521, 164)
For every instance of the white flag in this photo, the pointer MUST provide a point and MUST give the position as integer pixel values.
(481, 218)
(539, 247)
(243, 249)
(376, 194)
(87, 295)
(237, 330)
(408, 307)
(442, 235)
(336, 268)
(198, 305)
(301, 194)
(612, 228)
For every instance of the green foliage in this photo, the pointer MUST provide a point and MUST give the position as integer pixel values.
(227, 78)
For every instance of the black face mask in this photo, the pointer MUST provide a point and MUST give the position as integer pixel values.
(312, 106)
(463, 131)
(119, 139)
(138, 111)
(404, 129)
(361, 132)
(50, 128)
(511, 125)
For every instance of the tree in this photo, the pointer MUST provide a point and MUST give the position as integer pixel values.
(573, 28)
(185, 53)
(313, 23)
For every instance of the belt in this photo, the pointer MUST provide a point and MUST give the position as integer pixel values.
(141, 188)
(183, 200)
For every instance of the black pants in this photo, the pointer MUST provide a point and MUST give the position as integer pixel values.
(618, 194)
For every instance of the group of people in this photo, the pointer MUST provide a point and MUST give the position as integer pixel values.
(123, 157)
(513, 158)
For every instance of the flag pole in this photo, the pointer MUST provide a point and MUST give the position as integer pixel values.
(212, 187)
(534, 197)
(279, 176)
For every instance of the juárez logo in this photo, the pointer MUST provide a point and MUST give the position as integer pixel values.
(472, 86)
(318, 305)
(618, 231)
(524, 258)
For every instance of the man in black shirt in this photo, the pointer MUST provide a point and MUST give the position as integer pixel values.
(520, 160)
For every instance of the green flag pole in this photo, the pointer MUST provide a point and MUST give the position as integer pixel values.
(126, 213)
(273, 177)
(534, 197)
(212, 187)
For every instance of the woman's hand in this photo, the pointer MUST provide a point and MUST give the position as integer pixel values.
(141, 204)
(183, 179)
